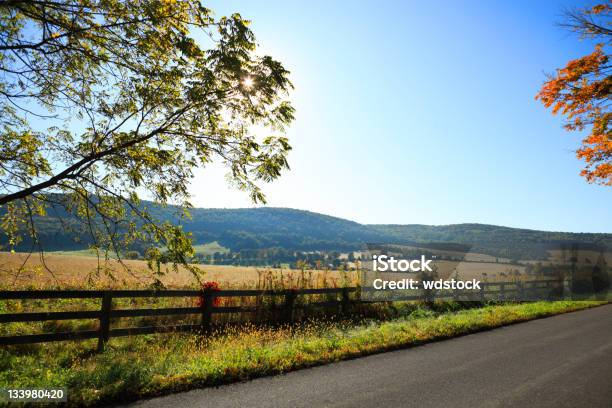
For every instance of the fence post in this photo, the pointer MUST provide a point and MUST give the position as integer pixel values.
(207, 306)
(346, 301)
(107, 301)
(502, 289)
(288, 307)
(482, 291)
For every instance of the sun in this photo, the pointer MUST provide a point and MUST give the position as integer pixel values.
(248, 82)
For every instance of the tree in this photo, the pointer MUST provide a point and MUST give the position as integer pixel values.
(581, 92)
(106, 102)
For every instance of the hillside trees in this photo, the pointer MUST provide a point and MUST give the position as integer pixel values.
(105, 102)
(581, 92)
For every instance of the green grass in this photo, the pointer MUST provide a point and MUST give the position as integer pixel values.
(88, 253)
(159, 364)
(200, 249)
(209, 248)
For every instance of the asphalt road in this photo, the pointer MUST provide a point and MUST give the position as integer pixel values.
(561, 361)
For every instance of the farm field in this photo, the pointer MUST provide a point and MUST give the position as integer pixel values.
(77, 271)
(467, 256)
(468, 270)
(69, 270)
(200, 249)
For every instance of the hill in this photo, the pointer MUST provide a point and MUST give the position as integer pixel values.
(278, 227)
(257, 228)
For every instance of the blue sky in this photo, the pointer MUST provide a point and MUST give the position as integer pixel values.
(415, 112)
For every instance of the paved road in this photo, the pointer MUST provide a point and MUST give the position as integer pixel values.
(561, 361)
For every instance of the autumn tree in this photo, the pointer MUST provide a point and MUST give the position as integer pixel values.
(106, 102)
(581, 91)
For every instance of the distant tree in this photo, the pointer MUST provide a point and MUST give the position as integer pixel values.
(581, 91)
(132, 255)
(103, 103)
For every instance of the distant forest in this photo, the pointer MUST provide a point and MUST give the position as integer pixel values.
(289, 229)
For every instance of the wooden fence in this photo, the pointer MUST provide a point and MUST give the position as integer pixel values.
(343, 302)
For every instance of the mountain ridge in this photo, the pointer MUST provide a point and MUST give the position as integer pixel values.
(303, 230)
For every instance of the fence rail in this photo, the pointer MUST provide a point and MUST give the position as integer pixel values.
(206, 310)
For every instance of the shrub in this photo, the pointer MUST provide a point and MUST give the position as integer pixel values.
(207, 287)
(132, 255)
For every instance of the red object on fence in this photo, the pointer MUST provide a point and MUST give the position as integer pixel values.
(207, 287)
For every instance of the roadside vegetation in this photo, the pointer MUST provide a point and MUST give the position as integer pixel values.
(151, 365)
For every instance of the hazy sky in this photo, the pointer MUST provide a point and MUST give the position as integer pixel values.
(422, 112)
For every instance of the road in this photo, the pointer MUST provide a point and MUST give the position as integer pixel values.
(561, 361)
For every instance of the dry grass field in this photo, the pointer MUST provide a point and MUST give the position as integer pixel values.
(466, 256)
(31, 271)
(490, 270)
(21, 270)
(467, 270)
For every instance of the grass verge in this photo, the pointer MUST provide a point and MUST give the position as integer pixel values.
(153, 365)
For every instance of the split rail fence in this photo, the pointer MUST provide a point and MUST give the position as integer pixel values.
(343, 303)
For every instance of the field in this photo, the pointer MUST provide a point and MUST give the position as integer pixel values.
(467, 256)
(59, 271)
(78, 269)
(200, 249)
(479, 270)
(81, 270)
(20, 270)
